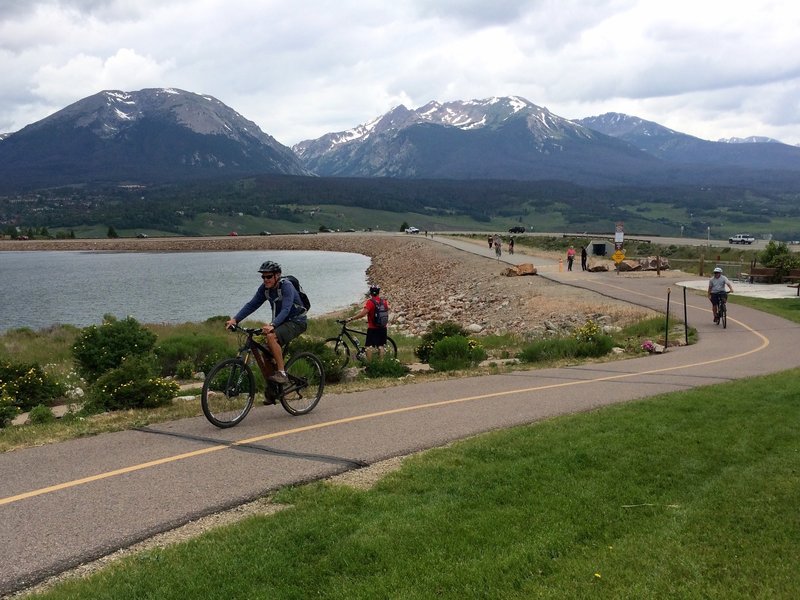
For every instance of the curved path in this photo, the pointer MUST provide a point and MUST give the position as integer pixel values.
(67, 503)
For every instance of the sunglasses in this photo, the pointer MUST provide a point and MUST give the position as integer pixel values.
(268, 276)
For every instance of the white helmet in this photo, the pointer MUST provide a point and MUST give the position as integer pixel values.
(718, 270)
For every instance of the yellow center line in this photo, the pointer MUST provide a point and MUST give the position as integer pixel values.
(375, 415)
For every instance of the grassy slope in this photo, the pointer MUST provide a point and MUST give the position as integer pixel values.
(665, 498)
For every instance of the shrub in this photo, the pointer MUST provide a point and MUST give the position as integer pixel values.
(200, 351)
(436, 332)
(99, 349)
(330, 362)
(26, 385)
(41, 414)
(564, 348)
(385, 366)
(455, 352)
(7, 411)
(778, 256)
(133, 384)
(588, 332)
(185, 369)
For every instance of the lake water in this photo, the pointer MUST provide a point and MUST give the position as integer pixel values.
(39, 289)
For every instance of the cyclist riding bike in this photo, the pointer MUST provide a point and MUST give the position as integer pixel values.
(288, 314)
(716, 287)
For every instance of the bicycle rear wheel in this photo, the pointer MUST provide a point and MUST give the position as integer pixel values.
(391, 348)
(340, 350)
(306, 383)
(228, 393)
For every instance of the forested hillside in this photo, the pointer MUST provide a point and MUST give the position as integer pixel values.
(287, 203)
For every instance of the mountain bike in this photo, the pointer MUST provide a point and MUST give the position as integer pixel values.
(342, 344)
(722, 310)
(230, 387)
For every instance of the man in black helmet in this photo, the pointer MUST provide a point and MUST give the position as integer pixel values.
(288, 314)
(377, 311)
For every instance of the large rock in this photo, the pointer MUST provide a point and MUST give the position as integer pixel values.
(629, 265)
(597, 267)
(522, 269)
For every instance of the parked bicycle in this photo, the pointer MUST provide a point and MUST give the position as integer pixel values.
(230, 387)
(346, 344)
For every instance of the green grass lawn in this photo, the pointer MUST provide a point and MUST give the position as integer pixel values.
(685, 495)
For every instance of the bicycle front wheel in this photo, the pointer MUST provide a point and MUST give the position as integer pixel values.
(340, 350)
(724, 315)
(228, 393)
(306, 382)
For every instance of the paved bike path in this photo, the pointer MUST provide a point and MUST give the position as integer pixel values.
(67, 503)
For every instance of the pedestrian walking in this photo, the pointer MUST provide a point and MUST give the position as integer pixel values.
(584, 256)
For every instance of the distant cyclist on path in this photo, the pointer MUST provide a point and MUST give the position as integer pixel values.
(716, 287)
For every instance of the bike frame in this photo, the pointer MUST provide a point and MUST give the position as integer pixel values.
(348, 333)
(260, 353)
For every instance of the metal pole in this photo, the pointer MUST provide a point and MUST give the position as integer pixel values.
(685, 318)
(666, 322)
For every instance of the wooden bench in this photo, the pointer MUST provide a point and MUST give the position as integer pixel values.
(761, 274)
(795, 286)
(768, 274)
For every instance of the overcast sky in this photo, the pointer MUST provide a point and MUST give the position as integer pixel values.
(709, 68)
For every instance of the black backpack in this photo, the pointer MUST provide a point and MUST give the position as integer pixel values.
(303, 296)
(380, 315)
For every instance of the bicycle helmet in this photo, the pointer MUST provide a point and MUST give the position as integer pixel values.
(269, 267)
(718, 270)
(374, 290)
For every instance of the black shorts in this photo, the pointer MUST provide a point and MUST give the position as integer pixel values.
(376, 337)
(715, 296)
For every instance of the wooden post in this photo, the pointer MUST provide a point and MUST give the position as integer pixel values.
(666, 323)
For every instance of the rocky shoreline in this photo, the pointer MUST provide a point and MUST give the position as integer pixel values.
(422, 279)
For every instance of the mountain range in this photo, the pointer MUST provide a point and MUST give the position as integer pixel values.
(146, 136)
(163, 135)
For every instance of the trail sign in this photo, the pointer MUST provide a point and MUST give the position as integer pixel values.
(618, 256)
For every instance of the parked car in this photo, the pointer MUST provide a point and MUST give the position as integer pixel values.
(265, 233)
(233, 234)
(517, 229)
(741, 238)
(412, 230)
(141, 235)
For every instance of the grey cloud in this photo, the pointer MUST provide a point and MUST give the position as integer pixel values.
(476, 12)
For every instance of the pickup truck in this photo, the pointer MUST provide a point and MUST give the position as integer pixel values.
(741, 238)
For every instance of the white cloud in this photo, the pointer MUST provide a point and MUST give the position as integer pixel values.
(704, 67)
(88, 75)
